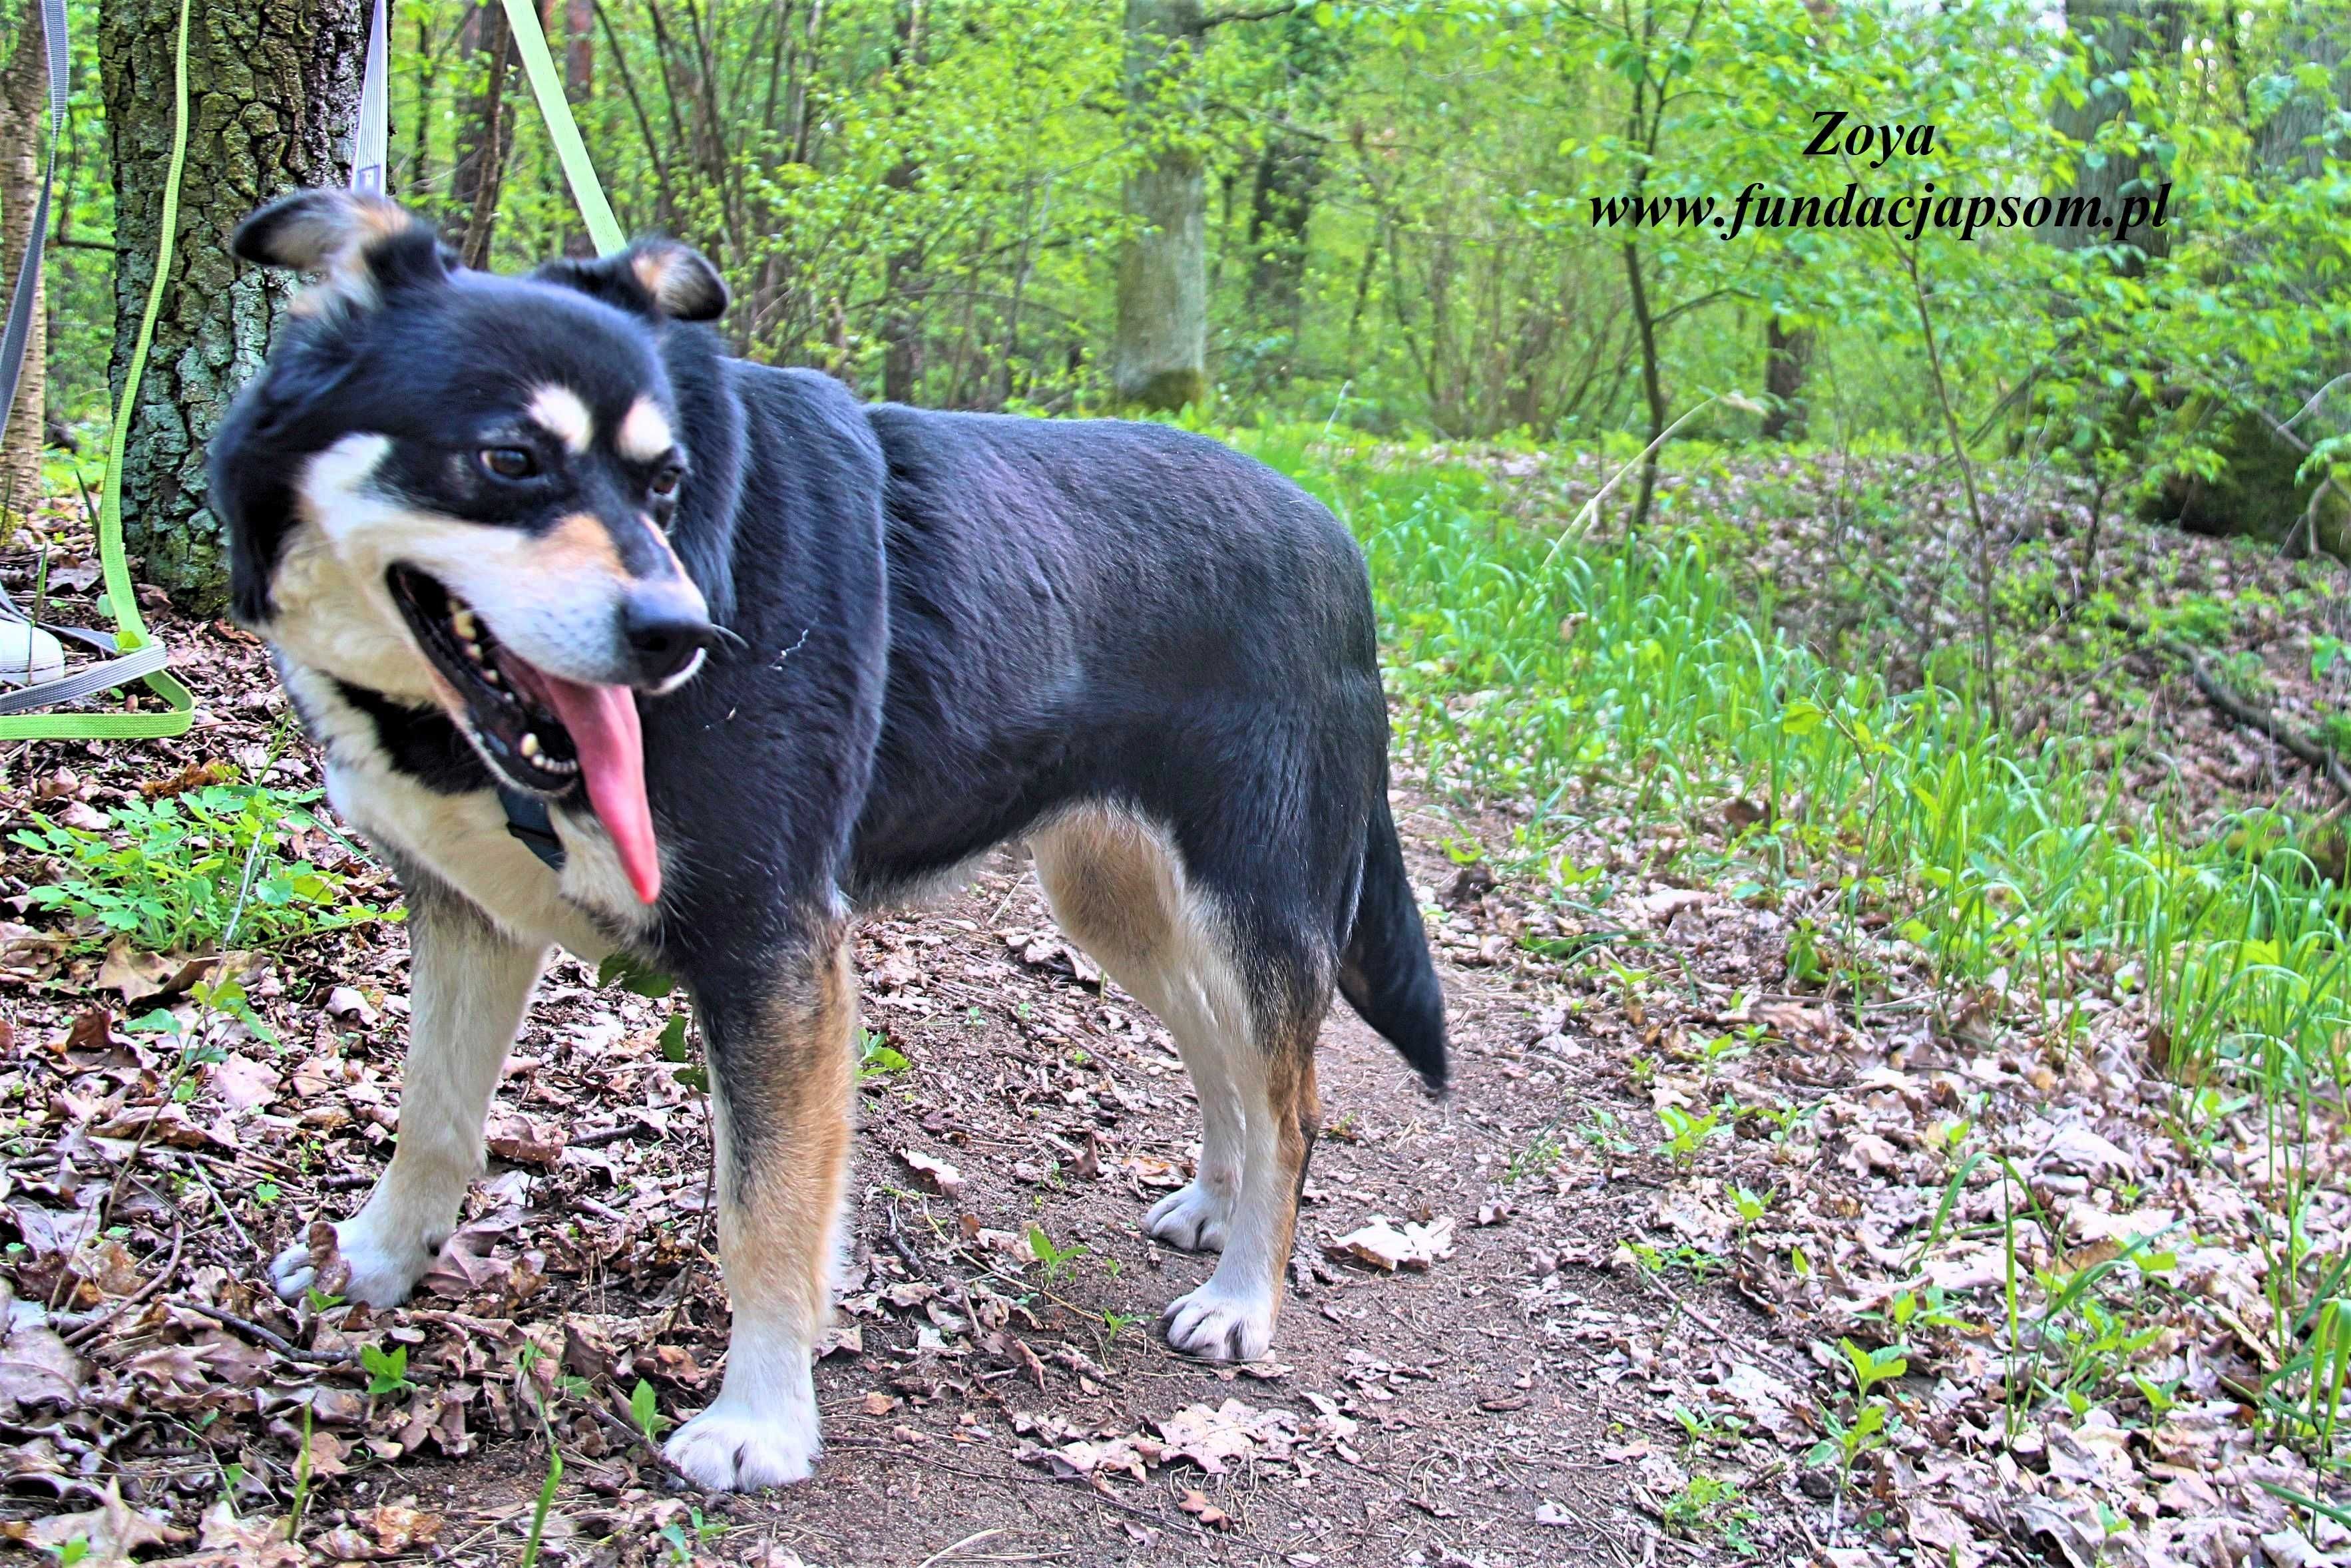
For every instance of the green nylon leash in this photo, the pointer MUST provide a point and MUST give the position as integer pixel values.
(131, 633)
(604, 228)
(604, 231)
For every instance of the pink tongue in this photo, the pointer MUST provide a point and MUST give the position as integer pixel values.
(603, 725)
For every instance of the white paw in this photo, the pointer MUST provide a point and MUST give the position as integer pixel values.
(738, 1451)
(382, 1272)
(1219, 1327)
(1194, 1219)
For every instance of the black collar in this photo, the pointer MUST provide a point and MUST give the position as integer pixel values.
(528, 820)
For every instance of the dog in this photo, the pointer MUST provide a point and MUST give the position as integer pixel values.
(615, 642)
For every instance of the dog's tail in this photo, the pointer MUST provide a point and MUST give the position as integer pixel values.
(1386, 974)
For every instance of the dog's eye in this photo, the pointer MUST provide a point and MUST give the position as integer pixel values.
(663, 484)
(510, 462)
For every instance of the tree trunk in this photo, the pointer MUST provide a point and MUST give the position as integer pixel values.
(2288, 146)
(1787, 356)
(24, 111)
(1288, 172)
(578, 50)
(480, 169)
(420, 146)
(901, 284)
(1282, 207)
(2118, 34)
(273, 96)
(1160, 357)
(1653, 388)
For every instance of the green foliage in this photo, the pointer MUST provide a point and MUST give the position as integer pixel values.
(1686, 1134)
(1707, 1503)
(387, 1370)
(1059, 1261)
(634, 976)
(1628, 680)
(205, 869)
(645, 1411)
(876, 1058)
(1400, 222)
(531, 1543)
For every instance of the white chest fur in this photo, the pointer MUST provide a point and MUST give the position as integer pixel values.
(463, 840)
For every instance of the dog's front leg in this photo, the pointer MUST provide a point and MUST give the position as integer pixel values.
(782, 1076)
(469, 985)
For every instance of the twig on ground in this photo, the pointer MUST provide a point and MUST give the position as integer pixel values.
(2253, 716)
(220, 1205)
(270, 1337)
(83, 1335)
(630, 1433)
(1802, 1379)
(2246, 714)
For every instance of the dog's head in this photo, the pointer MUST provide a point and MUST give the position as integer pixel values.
(455, 487)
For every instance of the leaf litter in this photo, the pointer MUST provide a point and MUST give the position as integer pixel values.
(1880, 1180)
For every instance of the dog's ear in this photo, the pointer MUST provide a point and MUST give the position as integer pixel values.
(359, 246)
(653, 276)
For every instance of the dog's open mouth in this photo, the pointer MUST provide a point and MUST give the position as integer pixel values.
(543, 734)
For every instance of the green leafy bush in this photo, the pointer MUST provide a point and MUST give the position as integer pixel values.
(210, 868)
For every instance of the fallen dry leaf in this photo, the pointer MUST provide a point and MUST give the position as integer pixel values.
(944, 1179)
(1388, 1246)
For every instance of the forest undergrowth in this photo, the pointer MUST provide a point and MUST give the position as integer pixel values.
(2099, 943)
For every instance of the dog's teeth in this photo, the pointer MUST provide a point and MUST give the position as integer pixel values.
(490, 675)
(530, 746)
(461, 622)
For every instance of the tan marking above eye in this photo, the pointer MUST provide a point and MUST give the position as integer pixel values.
(644, 432)
(562, 413)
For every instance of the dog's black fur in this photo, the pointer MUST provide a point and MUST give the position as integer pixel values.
(947, 629)
(952, 624)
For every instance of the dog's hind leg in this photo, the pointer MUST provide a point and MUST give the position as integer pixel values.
(469, 986)
(1115, 887)
(1231, 1317)
(782, 1079)
(1120, 888)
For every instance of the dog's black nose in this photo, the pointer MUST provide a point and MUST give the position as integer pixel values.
(666, 628)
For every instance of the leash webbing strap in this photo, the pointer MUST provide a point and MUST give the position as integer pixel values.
(530, 824)
(19, 333)
(144, 657)
(562, 130)
(371, 144)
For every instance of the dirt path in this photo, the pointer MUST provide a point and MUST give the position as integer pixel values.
(1500, 1407)
(1457, 1414)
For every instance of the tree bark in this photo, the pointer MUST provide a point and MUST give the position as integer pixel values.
(2288, 146)
(1653, 388)
(480, 169)
(1787, 357)
(273, 96)
(2118, 34)
(578, 50)
(902, 285)
(1159, 358)
(1281, 207)
(24, 111)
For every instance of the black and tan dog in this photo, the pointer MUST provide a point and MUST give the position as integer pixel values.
(494, 526)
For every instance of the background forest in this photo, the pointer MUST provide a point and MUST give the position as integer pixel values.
(1385, 216)
(1871, 709)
